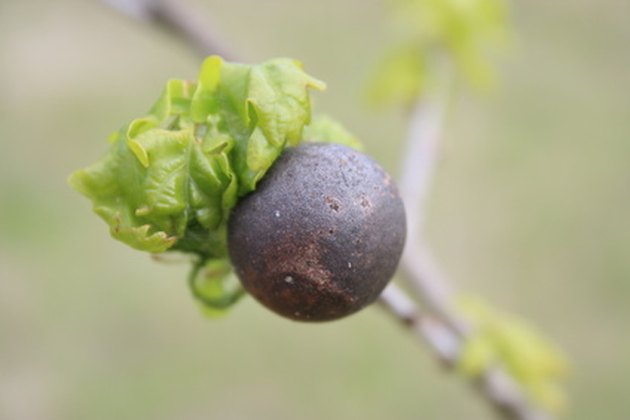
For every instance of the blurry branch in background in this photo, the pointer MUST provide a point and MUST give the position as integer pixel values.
(512, 365)
(446, 330)
(496, 386)
(178, 20)
(420, 160)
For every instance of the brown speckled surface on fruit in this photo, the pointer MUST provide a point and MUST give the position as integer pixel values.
(321, 236)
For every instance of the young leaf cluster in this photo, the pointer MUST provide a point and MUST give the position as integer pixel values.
(171, 177)
(504, 339)
(461, 33)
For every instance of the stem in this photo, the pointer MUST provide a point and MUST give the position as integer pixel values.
(424, 274)
(444, 342)
(179, 20)
(495, 385)
(225, 301)
(422, 154)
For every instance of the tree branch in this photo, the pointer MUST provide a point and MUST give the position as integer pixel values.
(423, 272)
(496, 386)
(444, 342)
(445, 330)
(180, 21)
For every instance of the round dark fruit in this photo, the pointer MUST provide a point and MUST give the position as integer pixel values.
(322, 234)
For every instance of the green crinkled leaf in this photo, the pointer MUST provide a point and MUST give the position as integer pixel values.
(323, 129)
(171, 177)
(112, 184)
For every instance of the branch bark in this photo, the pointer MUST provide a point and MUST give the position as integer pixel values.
(444, 330)
(495, 386)
(424, 274)
(421, 156)
(179, 20)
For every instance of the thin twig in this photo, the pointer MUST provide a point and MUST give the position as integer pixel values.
(495, 385)
(444, 342)
(426, 123)
(179, 20)
(421, 158)
(444, 331)
(422, 270)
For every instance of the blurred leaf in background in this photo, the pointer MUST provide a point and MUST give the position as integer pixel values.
(433, 35)
(502, 339)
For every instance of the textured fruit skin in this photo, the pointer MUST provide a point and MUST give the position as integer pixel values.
(322, 234)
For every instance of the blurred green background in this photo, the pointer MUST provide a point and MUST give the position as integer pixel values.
(530, 210)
